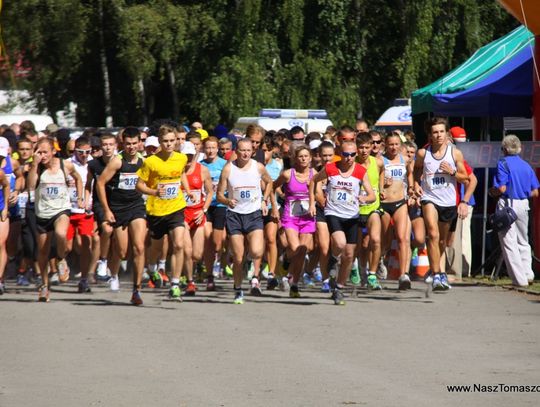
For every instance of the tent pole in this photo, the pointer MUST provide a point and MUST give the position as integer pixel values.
(536, 137)
(484, 215)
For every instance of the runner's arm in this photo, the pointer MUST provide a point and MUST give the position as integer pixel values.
(317, 178)
(418, 171)
(68, 165)
(208, 187)
(370, 197)
(461, 172)
(222, 186)
(112, 167)
(5, 190)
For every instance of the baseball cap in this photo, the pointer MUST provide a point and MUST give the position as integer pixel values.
(189, 148)
(458, 134)
(52, 128)
(314, 144)
(151, 141)
(4, 147)
(203, 133)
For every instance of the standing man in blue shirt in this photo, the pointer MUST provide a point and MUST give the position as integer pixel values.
(514, 183)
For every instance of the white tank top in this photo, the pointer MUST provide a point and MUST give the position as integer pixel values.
(438, 187)
(51, 194)
(82, 170)
(342, 192)
(245, 187)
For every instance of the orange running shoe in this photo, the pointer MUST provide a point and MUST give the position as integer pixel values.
(191, 289)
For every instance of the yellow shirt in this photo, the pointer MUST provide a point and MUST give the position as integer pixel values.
(155, 172)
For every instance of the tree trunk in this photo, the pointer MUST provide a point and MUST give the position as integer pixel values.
(142, 97)
(172, 84)
(104, 70)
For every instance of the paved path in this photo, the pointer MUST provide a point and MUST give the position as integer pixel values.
(382, 349)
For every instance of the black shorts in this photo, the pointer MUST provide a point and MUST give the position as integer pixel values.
(99, 214)
(363, 219)
(269, 219)
(216, 215)
(14, 213)
(47, 225)
(392, 207)
(29, 232)
(319, 216)
(415, 212)
(446, 213)
(124, 218)
(159, 226)
(242, 224)
(348, 226)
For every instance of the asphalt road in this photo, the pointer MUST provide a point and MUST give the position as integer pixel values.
(380, 349)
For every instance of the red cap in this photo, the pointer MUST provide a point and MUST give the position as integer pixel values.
(458, 134)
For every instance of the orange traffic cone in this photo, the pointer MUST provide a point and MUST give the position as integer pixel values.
(421, 265)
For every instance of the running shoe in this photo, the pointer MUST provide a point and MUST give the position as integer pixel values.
(183, 282)
(164, 277)
(325, 287)
(156, 280)
(101, 270)
(265, 271)
(43, 294)
(404, 282)
(210, 285)
(136, 298)
(228, 270)
(54, 279)
(437, 284)
(114, 283)
(373, 282)
(191, 289)
(444, 281)
(293, 292)
(428, 277)
(22, 280)
(175, 293)
(317, 275)
(285, 286)
(63, 271)
(123, 266)
(272, 283)
(216, 270)
(255, 287)
(308, 280)
(355, 273)
(83, 287)
(238, 297)
(2, 288)
(338, 297)
(382, 271)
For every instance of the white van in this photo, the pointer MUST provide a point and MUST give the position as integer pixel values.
(396, 117)
(40, 120)
(277, 119)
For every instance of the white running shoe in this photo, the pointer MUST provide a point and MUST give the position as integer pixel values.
(382, 271)
(123, 266)
(101, 270)
(114, 283)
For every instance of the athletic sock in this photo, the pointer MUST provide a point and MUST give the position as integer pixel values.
(152, 268)
(175, 281)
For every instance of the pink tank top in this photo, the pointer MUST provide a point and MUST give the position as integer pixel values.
(296, 196)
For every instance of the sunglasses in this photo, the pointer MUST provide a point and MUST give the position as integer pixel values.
(377, 141)
(344, 154)
(78, 150)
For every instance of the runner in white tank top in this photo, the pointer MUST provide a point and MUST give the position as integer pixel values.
(52, 205)
(246, 205)
(436, 170)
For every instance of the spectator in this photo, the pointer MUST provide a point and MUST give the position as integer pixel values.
(514, 183)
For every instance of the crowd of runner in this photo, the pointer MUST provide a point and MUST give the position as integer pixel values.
(185, 207)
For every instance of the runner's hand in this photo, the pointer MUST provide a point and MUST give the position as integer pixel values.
(446, 168)
(13, 197)
(312, 210)
(232, 203)
(264, 208)
(109, 217)
(4, 214)
(199, 218)
(462, 210)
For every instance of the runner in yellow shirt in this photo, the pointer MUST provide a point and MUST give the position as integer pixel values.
(162, 178)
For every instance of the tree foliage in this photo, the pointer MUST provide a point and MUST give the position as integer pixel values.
(223, 59)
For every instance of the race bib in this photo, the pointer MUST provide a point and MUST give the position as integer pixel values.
(127, 181)
(171, 190)
(54, 191)
(299, 208)
(214, 186)
(437, 180)
(73, 194)
(342, 196)
(394, 172)
(22, 199)
(246, 194)
(196, 197)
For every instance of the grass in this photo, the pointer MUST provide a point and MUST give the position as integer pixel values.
(503, 281)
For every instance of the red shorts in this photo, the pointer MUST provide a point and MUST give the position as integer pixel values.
(189, 217)
(82, 223)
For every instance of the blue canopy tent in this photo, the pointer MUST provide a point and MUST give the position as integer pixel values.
(505, 92)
